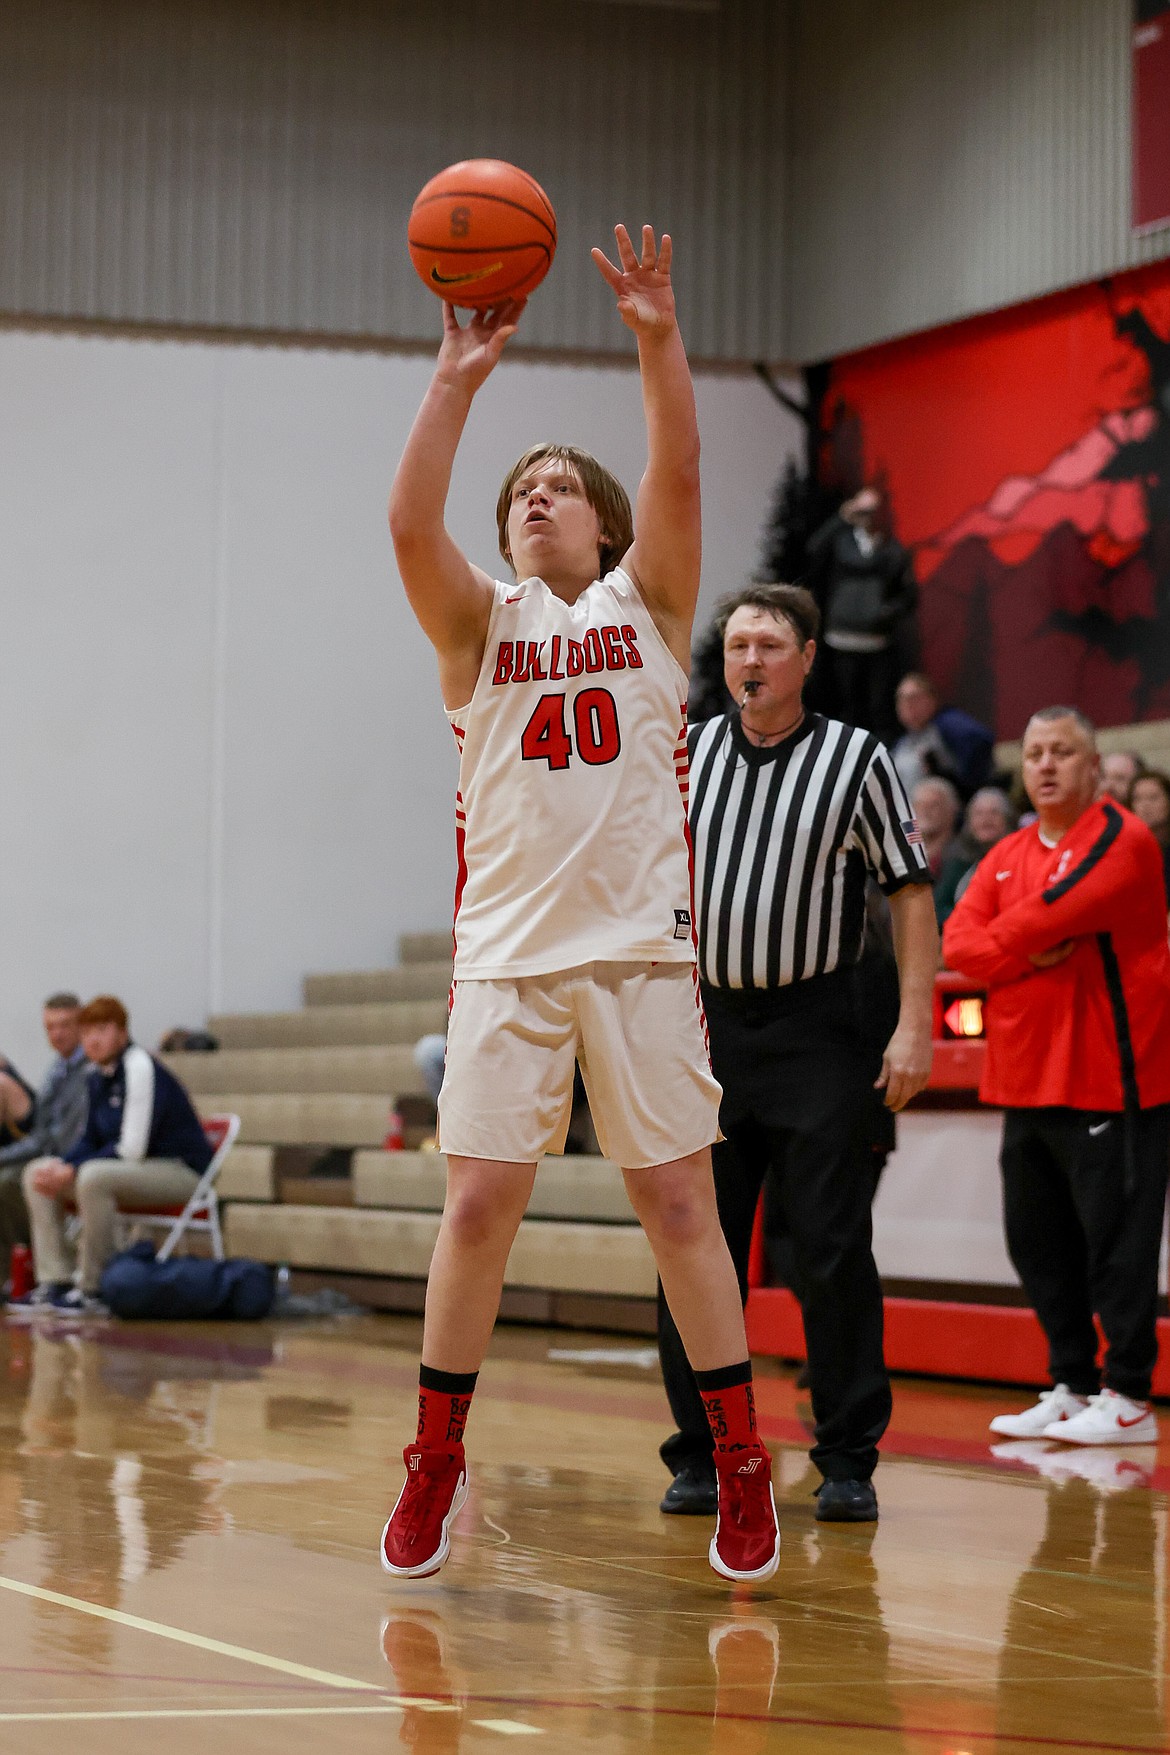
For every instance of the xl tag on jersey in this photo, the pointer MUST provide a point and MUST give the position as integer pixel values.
(682, 923)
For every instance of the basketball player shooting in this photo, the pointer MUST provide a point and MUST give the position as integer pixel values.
(566, 691)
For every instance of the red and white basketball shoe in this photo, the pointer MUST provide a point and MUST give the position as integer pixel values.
(417, 1538)
(746, 1543)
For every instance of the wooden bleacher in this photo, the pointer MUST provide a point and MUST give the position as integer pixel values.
(322, 1081)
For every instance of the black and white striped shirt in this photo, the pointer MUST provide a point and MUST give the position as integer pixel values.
(784, 840)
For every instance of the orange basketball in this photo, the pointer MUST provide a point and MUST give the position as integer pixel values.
(482, 231)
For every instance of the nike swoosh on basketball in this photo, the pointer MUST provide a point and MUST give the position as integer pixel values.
(462, 279)
(1100, 1128)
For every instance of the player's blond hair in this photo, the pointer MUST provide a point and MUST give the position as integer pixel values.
(604, 492)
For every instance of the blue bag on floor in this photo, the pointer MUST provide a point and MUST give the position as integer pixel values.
(135, 1284)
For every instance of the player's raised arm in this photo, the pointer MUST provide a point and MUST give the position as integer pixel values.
(451, 598)
(667, 549)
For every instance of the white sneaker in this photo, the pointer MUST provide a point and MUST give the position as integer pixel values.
(1054, 1407)
(1109, 1418)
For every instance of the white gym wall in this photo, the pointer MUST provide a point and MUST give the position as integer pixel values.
(225, 759)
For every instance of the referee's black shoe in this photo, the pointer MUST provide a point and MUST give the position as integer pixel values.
(694, 1492)
(846, 1502)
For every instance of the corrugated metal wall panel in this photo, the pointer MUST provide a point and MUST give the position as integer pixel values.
(952, 158)
(252, 164)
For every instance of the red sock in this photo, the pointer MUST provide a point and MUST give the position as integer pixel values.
(444, 1398)
(730, 1406)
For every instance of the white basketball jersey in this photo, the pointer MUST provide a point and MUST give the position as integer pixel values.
(571, 815)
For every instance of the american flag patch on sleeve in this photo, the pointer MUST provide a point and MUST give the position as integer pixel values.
(912, 833)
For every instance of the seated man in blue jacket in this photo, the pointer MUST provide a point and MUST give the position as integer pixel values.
(143, 1145)
(937, 741)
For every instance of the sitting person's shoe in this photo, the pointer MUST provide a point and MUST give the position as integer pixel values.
(846, 1502)
(417, 1540)
(41, 1301)
(72, 1301)
(1108, 1418)
(746, 1543)
(694, 1492)
(1053, 1406)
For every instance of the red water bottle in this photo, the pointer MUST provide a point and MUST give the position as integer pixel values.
(394, 1141)
(20, 1272)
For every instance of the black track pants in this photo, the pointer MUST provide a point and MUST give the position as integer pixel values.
(1082, 1243)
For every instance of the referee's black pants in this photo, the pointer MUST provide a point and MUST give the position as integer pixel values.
(796, 1088)
(1084, 1236)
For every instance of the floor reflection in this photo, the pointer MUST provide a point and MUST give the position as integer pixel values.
(1086, 1620)
(414, 1645)
(652, 1664)
(104, 1469)
(233, 1485)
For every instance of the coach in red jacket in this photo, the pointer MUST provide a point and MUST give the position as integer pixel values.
(1065, 921)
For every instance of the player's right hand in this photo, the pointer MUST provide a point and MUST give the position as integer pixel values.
(470, 351)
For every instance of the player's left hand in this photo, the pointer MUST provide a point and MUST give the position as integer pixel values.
(645, 297)
(905, 1066)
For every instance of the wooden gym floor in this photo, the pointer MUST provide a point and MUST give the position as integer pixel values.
(190, 1515)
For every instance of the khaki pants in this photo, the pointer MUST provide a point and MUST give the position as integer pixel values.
(99, 1186)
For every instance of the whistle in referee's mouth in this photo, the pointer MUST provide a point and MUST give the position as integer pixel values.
(749, 688)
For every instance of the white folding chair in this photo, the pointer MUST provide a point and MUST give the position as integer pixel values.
(201, 1212)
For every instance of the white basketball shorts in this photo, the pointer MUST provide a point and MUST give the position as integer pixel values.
(637, 1030)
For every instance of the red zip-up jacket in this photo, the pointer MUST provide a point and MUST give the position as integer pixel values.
(1092, 1032)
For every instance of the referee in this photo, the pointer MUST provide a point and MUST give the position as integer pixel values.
(790, 813)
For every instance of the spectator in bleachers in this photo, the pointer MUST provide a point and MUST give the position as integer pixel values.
(17, 1100)
(57, 1118)
(938, 740)
(1149, 799)
(1119, 770)
(1067, 928)
(863, 582)
(142, 1142)
(430, 1057)
(937, 808)
(989, 817)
